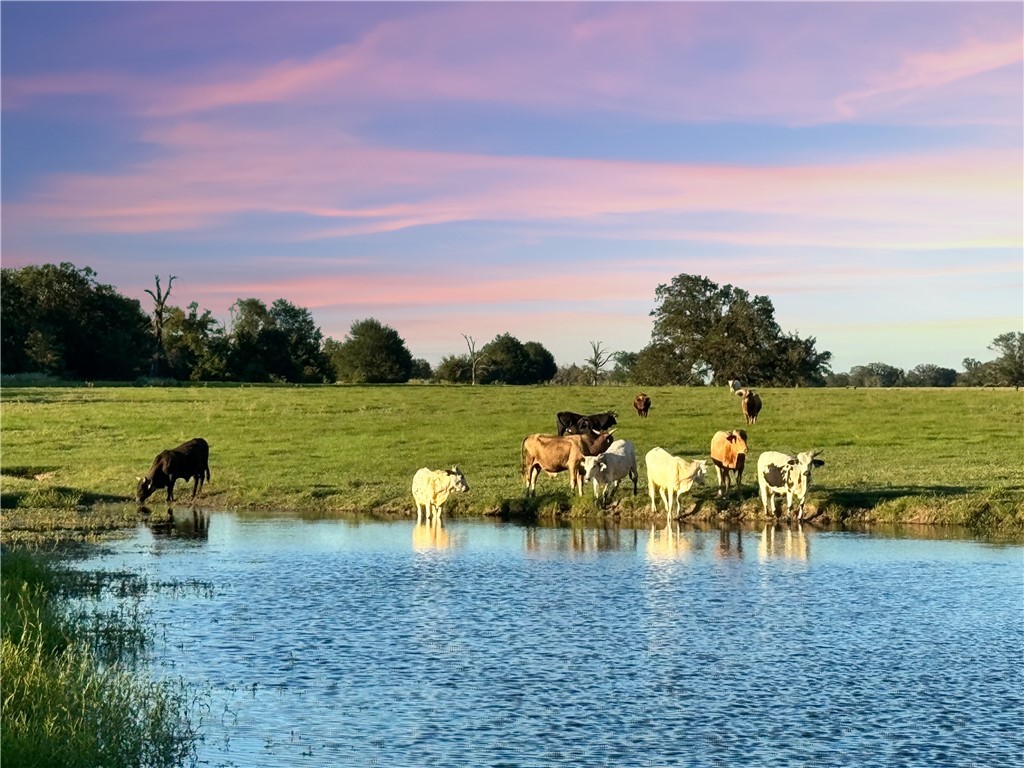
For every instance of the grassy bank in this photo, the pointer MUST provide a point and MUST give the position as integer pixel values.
(72, 695)
(949, 456)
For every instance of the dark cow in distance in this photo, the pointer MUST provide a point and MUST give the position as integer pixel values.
(189, 461)
(595, 422)
(642, 404)
(566, 419)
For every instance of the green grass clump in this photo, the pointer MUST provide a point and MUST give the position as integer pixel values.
(68, 699)
(912, 455)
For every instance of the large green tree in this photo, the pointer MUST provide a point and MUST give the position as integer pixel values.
(196, 345)
(372, 353)
(61, 320)
(704, 332)
(281, 343)
(1009, 366)
(509, 361)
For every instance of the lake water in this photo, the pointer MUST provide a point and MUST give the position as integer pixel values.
(340, 643)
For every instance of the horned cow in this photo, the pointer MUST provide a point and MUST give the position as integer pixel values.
(548, 453)
(729, 455)
(611, 467)
(189, 461)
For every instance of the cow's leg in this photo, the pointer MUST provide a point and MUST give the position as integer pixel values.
(722, 480)
(635, 477)
(195, 486)
(650, 491)
(170, 490)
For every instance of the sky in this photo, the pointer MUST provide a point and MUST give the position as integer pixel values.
(532, 168)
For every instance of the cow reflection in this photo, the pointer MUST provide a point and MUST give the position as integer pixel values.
(785, 542)
(430, 534)
(192, 524)
(726, 548)
(668, 543)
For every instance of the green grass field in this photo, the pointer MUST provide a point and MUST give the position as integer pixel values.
(913, 455)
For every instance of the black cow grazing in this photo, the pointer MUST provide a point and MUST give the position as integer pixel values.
(190, 460)
(595, 422)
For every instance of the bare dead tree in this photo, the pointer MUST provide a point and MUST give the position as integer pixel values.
(476, 360)
(159, 313)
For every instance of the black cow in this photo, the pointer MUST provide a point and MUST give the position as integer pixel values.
(595, 422)
(565, 420)
(189, 460)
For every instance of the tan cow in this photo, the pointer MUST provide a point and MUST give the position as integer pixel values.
(750, 404)
(432, 487)
(551, 454)
(729, 454)
(671, 476)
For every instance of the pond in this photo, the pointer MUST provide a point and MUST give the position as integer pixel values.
(348, 643)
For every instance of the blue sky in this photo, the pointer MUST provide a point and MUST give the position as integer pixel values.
(532, 168)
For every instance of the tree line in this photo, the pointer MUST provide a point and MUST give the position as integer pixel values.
(61, 321)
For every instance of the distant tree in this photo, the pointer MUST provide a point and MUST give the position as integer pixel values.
(421, 369)
(454, 369)
(371, 353)
(876, 375)
(571, 376)
(61, 320)
(598, 359)
(1009, 366)
(928, 375)
(976, 374)
(508, 361)
(541, 366)
(798, 364)
(477, 362)
(304, 342)
(837, 380)
(159, 314)
(194, 344)
(622, 373)
(658, 364)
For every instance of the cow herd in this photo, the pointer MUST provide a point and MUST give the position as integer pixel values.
(585, 448)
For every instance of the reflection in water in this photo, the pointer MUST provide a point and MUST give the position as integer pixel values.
(192, 524)
(725, 543)
(581, 539)
(668, 543)
(790, 544)
(430, 534)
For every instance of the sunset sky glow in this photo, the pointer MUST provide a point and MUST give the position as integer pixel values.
(533, 168)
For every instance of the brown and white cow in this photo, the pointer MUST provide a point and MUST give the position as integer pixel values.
(729, 455)
(782, 474)
(552, 454)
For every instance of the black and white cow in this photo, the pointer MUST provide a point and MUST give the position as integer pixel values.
(782, 474)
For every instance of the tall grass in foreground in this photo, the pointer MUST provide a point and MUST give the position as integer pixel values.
(67, 699)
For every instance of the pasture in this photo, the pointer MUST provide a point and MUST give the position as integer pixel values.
(895, 455)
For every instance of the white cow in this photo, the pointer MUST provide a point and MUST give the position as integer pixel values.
(782, 474)
(432, 487)
(672, 477)
(608, 469)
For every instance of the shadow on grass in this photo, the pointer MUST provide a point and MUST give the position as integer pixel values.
(27, 472)
(528, 508)
(872, 497)
(57, 496)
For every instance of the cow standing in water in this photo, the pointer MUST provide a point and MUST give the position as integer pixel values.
(189, 461)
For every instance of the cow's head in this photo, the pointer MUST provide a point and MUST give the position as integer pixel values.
(701, 472)
(458, 479)
(144, 489)
(800, 468)
(592, 468)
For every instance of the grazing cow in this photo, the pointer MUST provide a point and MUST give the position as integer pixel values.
(595, 422)
(672, 476)
(782, 474)
(432, 487)
(729, 454)
(642, 404)
(552, 455)
(190, 460)
(608, 469)
(750, 404)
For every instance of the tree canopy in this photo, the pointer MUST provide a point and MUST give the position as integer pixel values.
(706, 333)
(371, 353)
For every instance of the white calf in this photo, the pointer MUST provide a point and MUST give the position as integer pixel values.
(432, 487)
(608, 469)
(672, 477)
